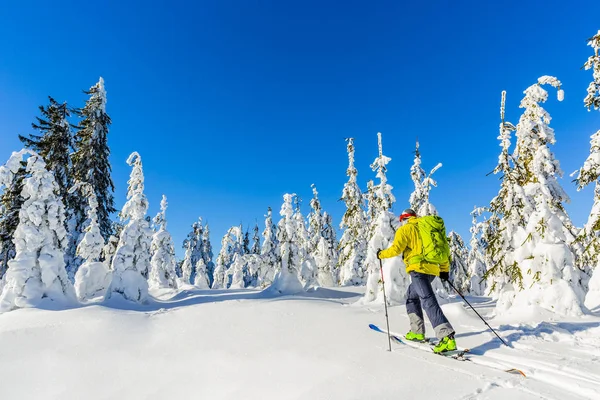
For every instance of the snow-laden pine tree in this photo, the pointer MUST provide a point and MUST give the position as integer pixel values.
(110, 248)
(384, 199)
(307, 268)
(11, 201)
(590, 173)
(207, 254)
(476, 259)
(419, 198)
(93, 277)
(269, 252)
(246, 243)
(90, 158)
(253, 264)
(369, 199)
(162, 263)
(231, 244)
(506, 214)
(255, 240)
(459, 267)
(286, 280)
(237, 272)
(381, 236)
(54, 146)
(188, 268)
(315, 221)
(193, 252)
(38, 268)
(593, 97)
(352, 246)
(326, 255)
(201, 281)
(131, 261)
(545, 273)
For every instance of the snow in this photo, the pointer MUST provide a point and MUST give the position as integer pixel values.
(250, 344)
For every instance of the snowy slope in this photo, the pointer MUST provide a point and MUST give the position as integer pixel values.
(251, 345)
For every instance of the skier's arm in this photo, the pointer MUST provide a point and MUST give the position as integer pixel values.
(399, 245)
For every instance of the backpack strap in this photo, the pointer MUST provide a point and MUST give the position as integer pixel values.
(417, 259)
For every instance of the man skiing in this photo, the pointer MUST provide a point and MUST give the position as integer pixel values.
(411, 241)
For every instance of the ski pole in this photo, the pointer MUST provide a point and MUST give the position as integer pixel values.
(387, 320)
(484, 321)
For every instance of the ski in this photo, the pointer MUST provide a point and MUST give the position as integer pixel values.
(459, 354)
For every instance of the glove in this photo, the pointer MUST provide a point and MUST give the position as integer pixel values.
(444, 276)
(378, 252)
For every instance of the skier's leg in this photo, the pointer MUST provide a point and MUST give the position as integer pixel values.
(422, 285)
(415, 312)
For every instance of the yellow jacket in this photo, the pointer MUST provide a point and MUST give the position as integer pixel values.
(407, 242)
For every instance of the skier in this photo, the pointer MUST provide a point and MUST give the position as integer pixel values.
(409, 241)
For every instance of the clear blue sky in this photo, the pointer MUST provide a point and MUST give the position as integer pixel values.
(234, 103)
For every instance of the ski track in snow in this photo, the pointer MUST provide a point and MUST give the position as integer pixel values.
(560, 358)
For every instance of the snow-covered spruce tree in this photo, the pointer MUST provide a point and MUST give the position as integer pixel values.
(132, 259)
(193, 252)
(255, 240)
(38, 268)
(187, 266)
(237, 272)
(590, 172)
(546, 275)
(207, 254)
(589, 236)
(369, 199)
(11, 201)
(90, 158)
(315, 222)
(593, 97)
(326, 255)
(352, 246)
(307, 268)
(381, 236)
(419, 198)
(246, 243)
(54, 146)
(201, 281)
(384, 199)
(269, 252)
(231, 244)
(162, 264)
(476, 259)
(253, 264)
(507, 210)
(459, 267)
(110, 248)
(253, 260)
(93, 277)
(286, 280)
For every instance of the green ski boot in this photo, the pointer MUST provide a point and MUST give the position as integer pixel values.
(415, 337)
(446, 344)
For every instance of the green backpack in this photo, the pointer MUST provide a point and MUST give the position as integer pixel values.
(435, 243)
